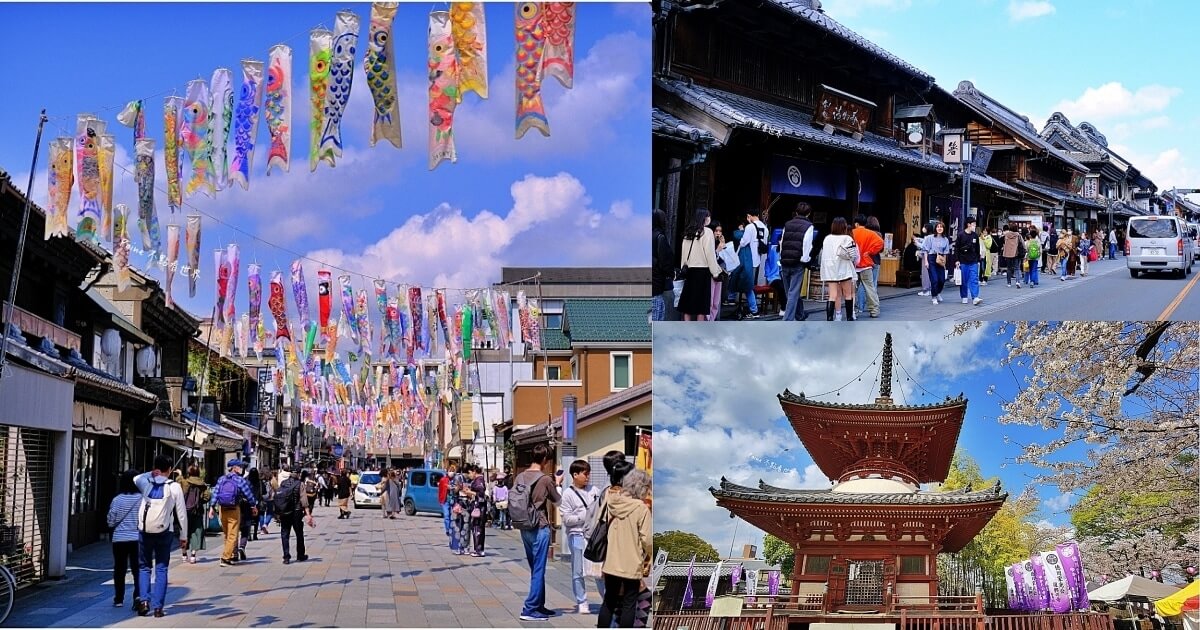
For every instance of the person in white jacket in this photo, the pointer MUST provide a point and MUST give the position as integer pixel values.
(577, 497)
(162, 506)
(756, 232)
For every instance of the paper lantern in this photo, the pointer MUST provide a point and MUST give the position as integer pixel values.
(110, 344)
(146, 361)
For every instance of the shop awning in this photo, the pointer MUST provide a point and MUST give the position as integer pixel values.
(212, 436)
(185, 448)
(89, 418)
(1058, 195)
(162, 428)
(736, 111)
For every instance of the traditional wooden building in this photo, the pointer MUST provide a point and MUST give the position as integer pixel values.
(870, 542)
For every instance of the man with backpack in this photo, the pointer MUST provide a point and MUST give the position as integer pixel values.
(528, 506)
(966, 249)
(579, 509)
(230, 490)
(291, 507)
(756, 238)
(162, 506)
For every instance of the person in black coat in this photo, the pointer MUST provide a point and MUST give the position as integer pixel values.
(662, 273)
(966, 249)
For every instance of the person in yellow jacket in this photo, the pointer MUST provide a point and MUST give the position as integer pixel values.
(630, 545)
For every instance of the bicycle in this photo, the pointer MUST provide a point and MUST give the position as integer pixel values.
(8, 590)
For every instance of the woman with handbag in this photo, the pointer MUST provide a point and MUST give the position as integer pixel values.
(938, 248)
(629, 540)
(700, 268)
(839, 253)
(123, 519)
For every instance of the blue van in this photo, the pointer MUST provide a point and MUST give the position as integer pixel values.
(421, 491)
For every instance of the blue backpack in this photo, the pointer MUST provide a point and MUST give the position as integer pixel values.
(227, 491)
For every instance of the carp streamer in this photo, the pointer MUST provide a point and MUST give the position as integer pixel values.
(443, 89)
(531, 47)
(320, 51)
(195, 139)
(172, 106)
(192, 236)
(341, 75)
(144, 176)
(61, 179)
(277, 107)
(381, 74)
(245, 122)
(470, 42)
(87, 161)
(220, 122)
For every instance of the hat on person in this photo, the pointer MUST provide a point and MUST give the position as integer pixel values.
(235, 462)
(499, 476)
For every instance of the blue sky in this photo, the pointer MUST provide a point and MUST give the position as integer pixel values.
(715, 390)
(1122, 65)
(380, 212)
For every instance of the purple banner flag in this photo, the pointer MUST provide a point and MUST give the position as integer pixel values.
(1042, 599)
(773, 582)
(1073, 565)
(1011, 583)
(1057, 588)
(687, 590)
(735, 575)
(710, 593)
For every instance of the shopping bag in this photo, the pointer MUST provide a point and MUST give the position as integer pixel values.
(957, 276)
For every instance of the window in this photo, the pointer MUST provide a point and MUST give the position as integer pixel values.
(435, 479)
(83, 488)
(418, 479)
(912, 565)
(552, 312)
(632, 433)
(1153, 228)
(574, 373)
(622, 370)
(553, 372)
(818, 565)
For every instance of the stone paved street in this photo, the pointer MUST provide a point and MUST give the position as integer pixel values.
(366, 571)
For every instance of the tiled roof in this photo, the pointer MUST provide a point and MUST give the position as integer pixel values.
(805, 10)
(987, 180)
(1059, 195)
(607, 320)
(104, 381)
(729, 490)
(734, 109)
(578, 275)
(788, 396)
(665, 124)
(705, 569)
(591, 410)
(554, 339)
(1019, 125)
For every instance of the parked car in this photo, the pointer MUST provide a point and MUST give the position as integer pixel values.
(366, 493)
(421, 491)
(1159, 243)
(1195, 228)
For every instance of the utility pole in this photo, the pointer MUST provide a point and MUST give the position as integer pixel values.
(16, 274)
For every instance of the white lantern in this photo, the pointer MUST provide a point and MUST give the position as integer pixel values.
(146, 361)
(110, 344)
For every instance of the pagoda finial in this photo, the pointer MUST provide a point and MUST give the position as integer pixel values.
(885, 377)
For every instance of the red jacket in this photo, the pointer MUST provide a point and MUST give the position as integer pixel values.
(869, 243)
(443, 489)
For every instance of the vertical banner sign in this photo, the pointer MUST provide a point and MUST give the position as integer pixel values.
(220, 123)
(1028, 587)
(277, 107)
(735, 576)
(192, 236)
(144, 176)
(470, 42)
(320, 51)
(60, 179)
(751, 585)
(108, 150)
(687, 589)
(121, 246)
(560, 42)
(773, 582)
(1073, 565)
(1042, 598)
(380, 68)
(711, 592)
(172, 105)
(443, 89)
(341, 75)
(245, 122)
(1059, 593)
(278, 307)
(531, 47)
(1011, 585)
(87, 161)
(195, 139)
(172, 260)
(266, 395)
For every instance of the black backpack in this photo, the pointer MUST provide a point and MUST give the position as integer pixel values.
(763, 248)
(192, 501)
(287, 498)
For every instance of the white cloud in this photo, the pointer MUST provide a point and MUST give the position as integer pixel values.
(1113, 100)
(840, 9)
(1166, 168)
(715, 404)
(1058, 503)
(1026, 9)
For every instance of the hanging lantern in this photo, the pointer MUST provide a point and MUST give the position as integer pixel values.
(146, 361)
(110, 344)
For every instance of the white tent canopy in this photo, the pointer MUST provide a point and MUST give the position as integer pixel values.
(1131, 586)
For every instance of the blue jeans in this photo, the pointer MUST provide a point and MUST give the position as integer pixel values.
(1062, 267)
(577, 543)
(792, 278)
(752, 299)
(937, 279)
(1112, 251)
(537, 548)
(1031, 276)
(969, 288)
(155, 550)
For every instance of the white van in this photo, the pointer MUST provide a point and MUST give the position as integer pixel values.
(1159, 243)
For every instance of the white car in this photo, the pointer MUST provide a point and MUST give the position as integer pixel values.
(1159, 243)
(367, 492)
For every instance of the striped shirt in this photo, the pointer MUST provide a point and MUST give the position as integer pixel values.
(123, 517)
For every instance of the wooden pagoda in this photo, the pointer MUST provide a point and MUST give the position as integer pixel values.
(870, 542)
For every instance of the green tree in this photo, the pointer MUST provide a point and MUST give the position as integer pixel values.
(778, 552)
(681, 545)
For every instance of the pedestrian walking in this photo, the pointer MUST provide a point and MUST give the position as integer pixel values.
(292, 507)
(1064, 255)
(937, 251)
(741, 281)
(700, 262)
(393, 494)
(460, 511)
(723, 250)
(500, 498)
(795, 257)
(123, 520)
(230, 491)
(270, 484)
(1084, 248)
(1033, 257)
(630, 546)
(923, 255)
(533, 494)
(1013, 250)
(580, 502)
(663, 270)
(323, 486)
(968, 248)
(249, 517)
(1112, 244)
(755, 240)
(1052, 252)
(343, 495)
(870, 244)
(476, 492)
(162, 506)
(839, 254)
(196, 495)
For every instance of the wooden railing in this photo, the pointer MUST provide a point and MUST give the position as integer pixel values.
(938, 603)
(1067, 621)
(704, 622)
(798, 602)
(39, 327)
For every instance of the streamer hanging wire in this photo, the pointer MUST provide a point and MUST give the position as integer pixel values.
(853, 380)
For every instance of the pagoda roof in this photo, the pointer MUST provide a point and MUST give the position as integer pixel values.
(915, 441)
(772, 494)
